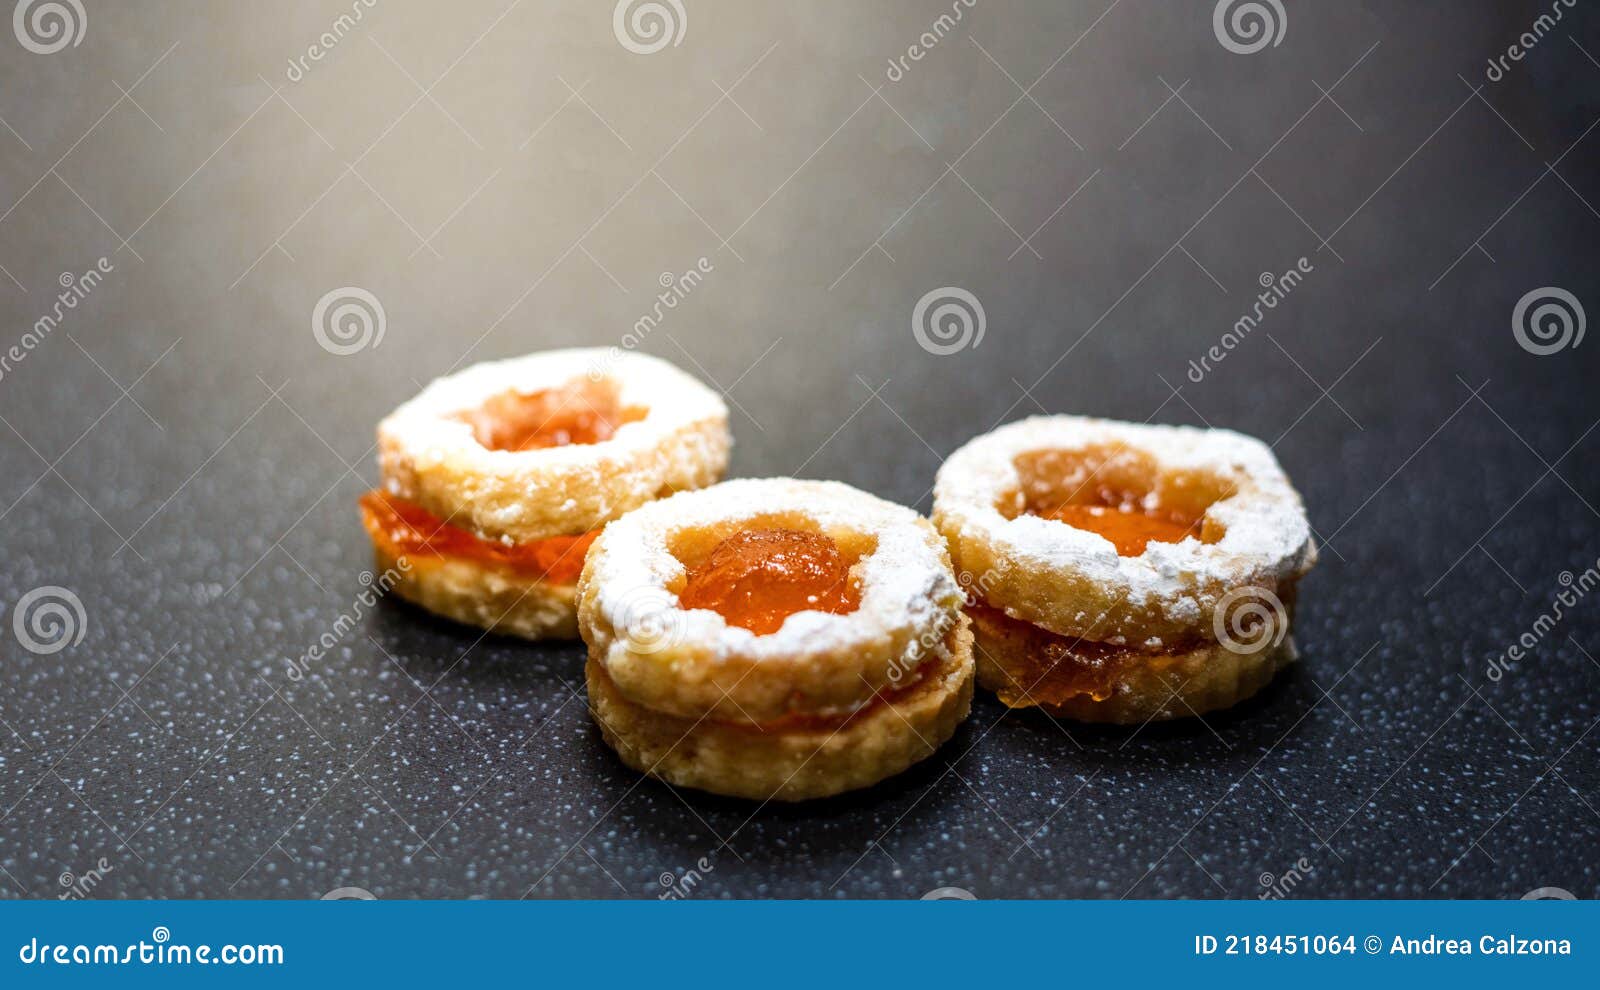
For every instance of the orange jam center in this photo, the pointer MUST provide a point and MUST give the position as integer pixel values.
(1046, 669)
(555, 417)
(757, 578)
(1129, 527)
(406, 528)
(567, 426)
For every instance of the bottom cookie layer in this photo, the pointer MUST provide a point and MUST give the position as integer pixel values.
(791, 762)
(484, 595)
(1132, 688)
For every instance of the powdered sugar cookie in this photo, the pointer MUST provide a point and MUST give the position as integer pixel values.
(774, 638)
(1126, 548)
(497, 479)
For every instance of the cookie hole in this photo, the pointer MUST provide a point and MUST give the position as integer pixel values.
(756, 572)
(1122, 493)
(579, 412)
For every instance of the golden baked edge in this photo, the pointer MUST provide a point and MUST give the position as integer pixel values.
(484, 594)
(794, 764)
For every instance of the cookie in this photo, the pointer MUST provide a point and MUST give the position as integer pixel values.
(1148, 549)
(774, 639)
(495, 480)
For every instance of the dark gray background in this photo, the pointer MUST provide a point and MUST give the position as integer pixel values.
(183, 457)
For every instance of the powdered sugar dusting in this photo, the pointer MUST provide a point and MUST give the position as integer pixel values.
(1266, 537)
(429, 453)
(905, 582)
(434, 431)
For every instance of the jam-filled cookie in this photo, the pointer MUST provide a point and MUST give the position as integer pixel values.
(774, 639)
(1119, 572)
(496, 480)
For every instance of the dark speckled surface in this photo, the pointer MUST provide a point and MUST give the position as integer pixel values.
(204, 518)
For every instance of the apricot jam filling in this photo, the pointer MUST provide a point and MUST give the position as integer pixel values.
(1130, 528)
(1045, 669)
(1119, 493)
(403, 527)
(757, 578)
(576, 413)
